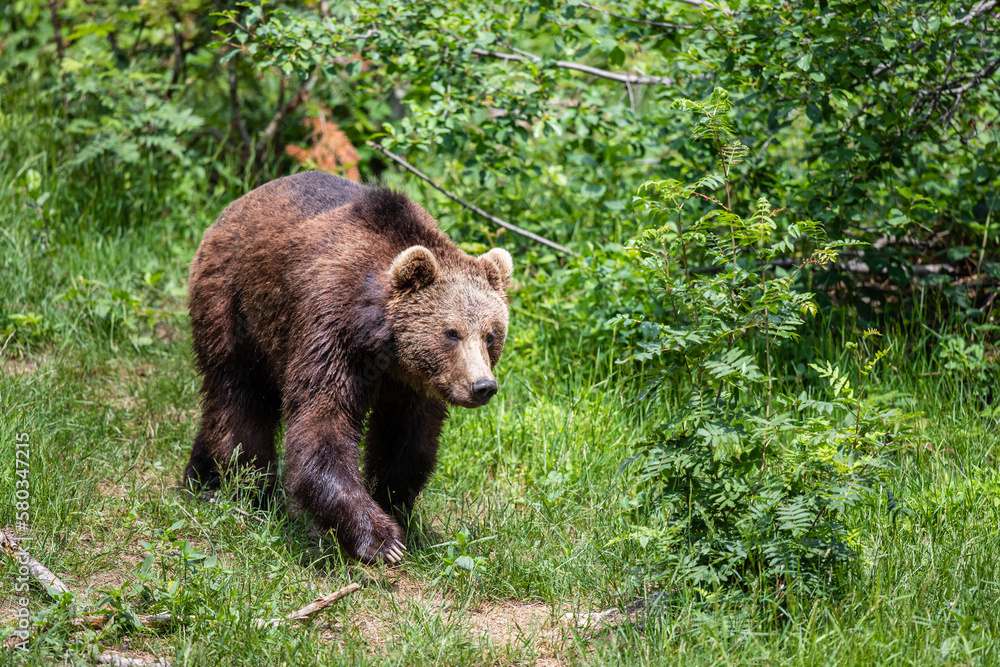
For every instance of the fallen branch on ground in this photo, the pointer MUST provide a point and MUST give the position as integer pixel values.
(98, 621)
(157, 621)
(609, 618)
(119, 660)
(472, 207)
(12, 546)
(311, 609)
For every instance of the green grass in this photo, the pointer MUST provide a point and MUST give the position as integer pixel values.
(103, 384)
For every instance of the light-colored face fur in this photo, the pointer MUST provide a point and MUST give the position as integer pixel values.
(450, 326)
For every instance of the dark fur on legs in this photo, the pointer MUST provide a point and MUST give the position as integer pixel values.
(401, 446)
(322, 475)
(240, 412)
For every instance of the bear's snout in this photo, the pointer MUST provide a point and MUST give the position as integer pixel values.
(483, 390)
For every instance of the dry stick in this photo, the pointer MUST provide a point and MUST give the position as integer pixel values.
(200, 527)
(98, 621)
(157, 621)
(313, 608)
(119, 660)
(44, 575)
(644, 79)
(472, 207)
(977, 11)
(973, 81)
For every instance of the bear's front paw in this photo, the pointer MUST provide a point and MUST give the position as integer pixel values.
(384, 543)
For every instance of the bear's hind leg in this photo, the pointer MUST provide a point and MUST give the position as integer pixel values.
(401, 446)
(201, 470)
(240, 411)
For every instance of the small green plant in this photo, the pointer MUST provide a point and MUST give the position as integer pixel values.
(743, 481)
(174, 576)
(119, 311)
(459, 562)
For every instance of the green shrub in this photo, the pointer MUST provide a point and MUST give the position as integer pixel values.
(743, 482)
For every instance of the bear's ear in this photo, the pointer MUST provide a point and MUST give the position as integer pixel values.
(414, 268)
(499, 267)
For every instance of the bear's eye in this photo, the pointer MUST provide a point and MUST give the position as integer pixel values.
(452, 334)
(489, 339)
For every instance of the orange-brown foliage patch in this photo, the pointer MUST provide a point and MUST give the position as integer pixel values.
(331, 150)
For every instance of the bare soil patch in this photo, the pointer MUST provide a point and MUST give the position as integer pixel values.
(503, 624)
(23, 365)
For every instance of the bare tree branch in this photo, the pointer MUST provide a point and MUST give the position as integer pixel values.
(913, 47)
(961, 90)
(642, 79)
(272, 128)
(975, 78)
(54, 7)
(977, 10)
(178, 53)
(658, 24)
(472, 207)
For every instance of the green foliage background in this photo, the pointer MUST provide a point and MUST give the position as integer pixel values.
(125, 128)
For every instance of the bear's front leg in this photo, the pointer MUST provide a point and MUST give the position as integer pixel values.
(401, 446)
(322, 474)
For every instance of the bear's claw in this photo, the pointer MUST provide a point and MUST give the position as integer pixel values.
(393, 552)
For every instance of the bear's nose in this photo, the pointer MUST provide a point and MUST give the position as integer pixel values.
(483, 390)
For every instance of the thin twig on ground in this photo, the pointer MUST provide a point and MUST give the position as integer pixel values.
(200, 527)
(158, 621)
(472, 207)
(313, 608)
(209, 497)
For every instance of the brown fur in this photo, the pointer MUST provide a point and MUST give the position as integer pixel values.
(323, 301)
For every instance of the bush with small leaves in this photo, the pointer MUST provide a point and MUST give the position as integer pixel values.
(743, 481)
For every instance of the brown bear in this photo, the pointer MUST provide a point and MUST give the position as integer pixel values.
(345, 310)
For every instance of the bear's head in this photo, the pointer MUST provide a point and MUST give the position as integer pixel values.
(449, 321)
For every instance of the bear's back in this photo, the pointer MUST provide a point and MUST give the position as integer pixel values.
(308, 194)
